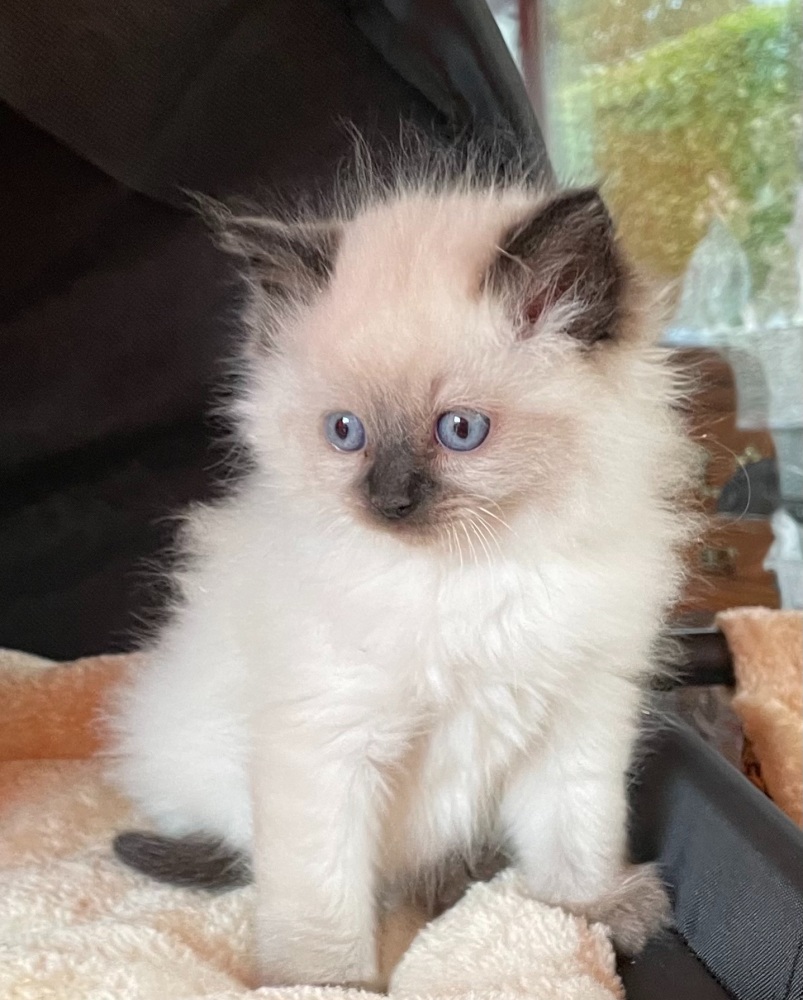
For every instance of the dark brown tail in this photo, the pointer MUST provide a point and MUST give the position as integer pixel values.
(194, 862)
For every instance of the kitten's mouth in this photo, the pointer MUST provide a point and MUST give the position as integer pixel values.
(437, 530)
(414, 526)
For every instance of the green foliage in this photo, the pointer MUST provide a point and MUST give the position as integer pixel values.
(706, 123)
(603, 31)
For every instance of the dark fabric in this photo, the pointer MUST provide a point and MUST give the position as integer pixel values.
(705, 659)
(113, 308)
(453, 38)
(212, 96)
(221, 94)
(116, 313)
(734, 863)
(78, 535)
(669, 970)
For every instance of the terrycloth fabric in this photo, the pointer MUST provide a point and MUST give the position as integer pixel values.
(76, 925)
(767, 650)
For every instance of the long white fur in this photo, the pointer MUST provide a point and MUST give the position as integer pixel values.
(347, 707)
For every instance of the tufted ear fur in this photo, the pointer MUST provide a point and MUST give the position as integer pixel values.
(565, 256)
(283, 258)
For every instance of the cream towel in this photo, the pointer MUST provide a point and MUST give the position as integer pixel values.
(76, 925)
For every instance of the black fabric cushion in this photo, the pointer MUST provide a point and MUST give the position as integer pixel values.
(114, 315)
(212, 96)
(217, 95)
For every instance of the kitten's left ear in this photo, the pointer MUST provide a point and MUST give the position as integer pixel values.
(565, 255)
(284, 258)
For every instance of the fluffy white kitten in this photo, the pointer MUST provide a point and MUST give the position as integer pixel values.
(424, 622)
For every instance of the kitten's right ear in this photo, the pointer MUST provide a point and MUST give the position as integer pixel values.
(565, 254)
(286, 259)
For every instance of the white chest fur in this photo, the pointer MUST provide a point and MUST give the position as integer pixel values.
(439, 680)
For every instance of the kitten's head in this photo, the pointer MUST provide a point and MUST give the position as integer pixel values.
(440, 362)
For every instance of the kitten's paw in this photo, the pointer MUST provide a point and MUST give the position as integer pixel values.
(284, 974)
(295, 960)
(635, 910)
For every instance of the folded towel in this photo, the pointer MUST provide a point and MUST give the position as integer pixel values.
(76, 925)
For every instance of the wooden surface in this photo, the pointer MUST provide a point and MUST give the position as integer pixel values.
(726, 566)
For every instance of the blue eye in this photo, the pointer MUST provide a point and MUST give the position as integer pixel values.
(345, 431)
(462, 430)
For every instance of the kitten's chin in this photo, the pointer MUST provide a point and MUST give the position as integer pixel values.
(415, 533)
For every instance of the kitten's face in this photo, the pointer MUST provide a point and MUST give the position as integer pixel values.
(430, 389)
(443, 443)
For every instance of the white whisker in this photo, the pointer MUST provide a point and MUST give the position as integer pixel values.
(490, 534)
(457, 543)
(471, 547)
(478, 534)
(505, 524)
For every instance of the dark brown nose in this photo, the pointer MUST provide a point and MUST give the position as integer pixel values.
(395, 487)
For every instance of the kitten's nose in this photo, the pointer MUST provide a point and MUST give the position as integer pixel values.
(394, 490)
(393, 508)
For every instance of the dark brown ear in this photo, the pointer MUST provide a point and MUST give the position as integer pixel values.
(290, 259)
(564, 255)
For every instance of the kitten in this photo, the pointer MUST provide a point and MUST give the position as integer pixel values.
(423, 623)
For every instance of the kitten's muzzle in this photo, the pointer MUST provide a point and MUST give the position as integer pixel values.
(400, 500)
(395, 489)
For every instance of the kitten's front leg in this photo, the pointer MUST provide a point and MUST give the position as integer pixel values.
(314, 857)
(565, 816)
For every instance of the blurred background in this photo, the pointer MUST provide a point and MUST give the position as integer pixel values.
(690, 113)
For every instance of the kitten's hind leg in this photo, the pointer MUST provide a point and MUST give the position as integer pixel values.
(195, 862)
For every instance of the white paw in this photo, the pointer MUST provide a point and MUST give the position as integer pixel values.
(292, 959)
